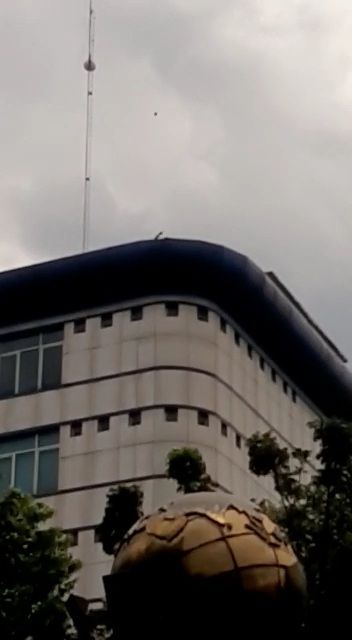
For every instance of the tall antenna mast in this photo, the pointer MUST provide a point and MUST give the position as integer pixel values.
(89, 66)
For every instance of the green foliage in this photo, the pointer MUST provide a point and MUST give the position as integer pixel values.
(188, 468)
(315, 510)
(123, 508)
(37, 571)
(124, 505)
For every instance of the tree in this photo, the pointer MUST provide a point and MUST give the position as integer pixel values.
(188, 468)
(37, 571)
(123, 508)
(315, 510)
(124, 505)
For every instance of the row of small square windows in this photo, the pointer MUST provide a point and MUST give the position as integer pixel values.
(172, 310)
(135, 419)
(203, 419)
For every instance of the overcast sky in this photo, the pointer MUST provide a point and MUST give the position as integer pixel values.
(251, 147)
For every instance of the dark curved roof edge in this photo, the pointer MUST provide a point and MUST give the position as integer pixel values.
(187, 268)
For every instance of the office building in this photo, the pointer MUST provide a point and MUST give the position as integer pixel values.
(109, 359)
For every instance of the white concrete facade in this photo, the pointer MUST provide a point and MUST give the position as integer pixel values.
(162, 360)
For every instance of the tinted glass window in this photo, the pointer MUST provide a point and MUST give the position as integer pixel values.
(17, 444)
(49, 438)
(28, 379)
(54, 334)
(7, 375)
(24, 471)
(48, 471)
(16, 344)
(5, 473)
(52, 361)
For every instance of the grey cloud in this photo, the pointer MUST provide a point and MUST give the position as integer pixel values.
(251, 146)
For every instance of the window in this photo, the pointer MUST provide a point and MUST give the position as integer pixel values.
(202, 314)
(134, 418)
(30, 462)
(73, 537)
(250, 351)
(238, 441)
(171, 414)
(224, 429)
(31, 362)
(203, 418)
(273, 375)
(76, 429)
(103, 423)
(223, 325)
(294, 396)
(136, 314)
(106, 320)
(285, 386)
(51, 367)
(171, 309)
(79, 325)
(237, 338)
(262, 363)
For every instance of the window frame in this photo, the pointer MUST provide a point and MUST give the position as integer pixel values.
(41, 347)
(36, 449)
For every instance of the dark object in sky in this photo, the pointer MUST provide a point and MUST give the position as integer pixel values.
(155, 113)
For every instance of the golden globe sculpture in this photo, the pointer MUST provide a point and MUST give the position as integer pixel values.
(204, 566)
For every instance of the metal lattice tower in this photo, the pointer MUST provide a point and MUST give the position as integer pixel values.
(89, 66)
